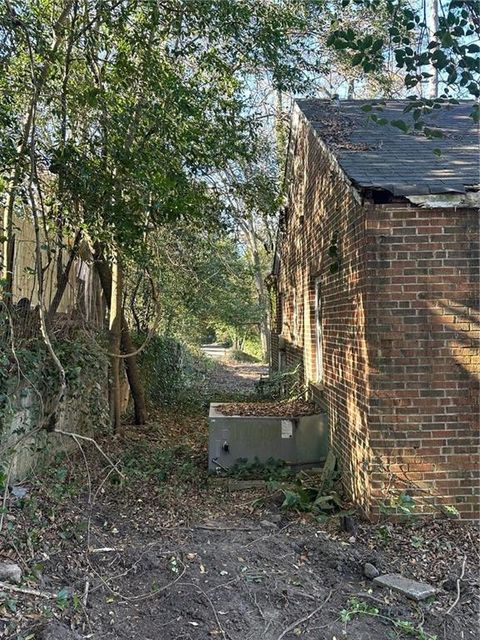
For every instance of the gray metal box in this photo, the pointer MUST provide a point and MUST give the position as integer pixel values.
(297, 441)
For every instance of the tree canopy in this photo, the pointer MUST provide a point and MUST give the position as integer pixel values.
(146, 130)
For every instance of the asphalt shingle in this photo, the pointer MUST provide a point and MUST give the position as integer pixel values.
(387, 158)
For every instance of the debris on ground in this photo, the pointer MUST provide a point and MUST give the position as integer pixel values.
(10, 572)
(162, 552)
(280, 409)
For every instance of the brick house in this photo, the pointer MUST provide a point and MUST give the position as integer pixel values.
(376, 282)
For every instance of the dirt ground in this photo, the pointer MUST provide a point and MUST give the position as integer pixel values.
(162, 552)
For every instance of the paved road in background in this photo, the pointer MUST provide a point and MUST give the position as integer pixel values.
(215, 351)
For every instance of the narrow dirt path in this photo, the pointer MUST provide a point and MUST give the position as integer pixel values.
(164, 552)
(235, 377)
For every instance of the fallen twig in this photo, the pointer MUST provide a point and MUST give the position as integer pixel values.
(304, 618)
(27, 591)
(85, 592)
(95, 443)
(459, 579)
(363, 594)
(224, 633)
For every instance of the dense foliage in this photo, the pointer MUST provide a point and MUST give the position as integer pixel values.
(148, 137)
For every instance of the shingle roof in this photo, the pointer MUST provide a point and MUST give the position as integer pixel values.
(376, 156)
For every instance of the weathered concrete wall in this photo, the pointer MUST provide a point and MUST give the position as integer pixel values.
(25, 446)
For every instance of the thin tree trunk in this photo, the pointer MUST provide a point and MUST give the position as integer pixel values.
(126, 345)
(133, 375)
(63, 140)
(63, 280)
(115, 326)
(251, 237)
(432, 23)
(15, 175)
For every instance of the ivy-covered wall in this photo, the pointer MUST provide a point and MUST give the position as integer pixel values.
(30, 412)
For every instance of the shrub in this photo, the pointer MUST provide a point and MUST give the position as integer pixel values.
(172, 373)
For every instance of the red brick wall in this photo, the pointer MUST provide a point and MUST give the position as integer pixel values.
(423, 325)
(400, 331)
(323, 205)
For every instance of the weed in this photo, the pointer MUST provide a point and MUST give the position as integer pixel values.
(73, 531)
(417, 542)
(399, 503)
(272, 469)
(316, 496)
(356, 607)
(384, 533)
(62, 599)
(10, 603)
(140, 461)
(281, 384)
(450, 511)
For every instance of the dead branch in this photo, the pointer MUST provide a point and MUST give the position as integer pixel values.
(459, 580)
(304, 618)
(95, 443)
(27, 591)
(87, 468)
(224, 633)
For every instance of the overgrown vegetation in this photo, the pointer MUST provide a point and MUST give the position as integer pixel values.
(29, 379)
(402, 628)
(143, 142)
(172, 373)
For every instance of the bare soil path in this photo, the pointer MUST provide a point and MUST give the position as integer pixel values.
(163, 552)
(236, 377)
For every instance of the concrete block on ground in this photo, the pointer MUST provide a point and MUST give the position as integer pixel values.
(410, 588)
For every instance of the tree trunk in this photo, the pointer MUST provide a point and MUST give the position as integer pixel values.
(126, 346)
(251, 236)
(432, 23)
(133, 375)
(63, 280)
(16, 173)
(115, 326)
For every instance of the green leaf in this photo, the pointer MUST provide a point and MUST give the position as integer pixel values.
(400, 124)
(377, 45)
(437, 152)
(433, 133)
(62, 598)
(357, 59)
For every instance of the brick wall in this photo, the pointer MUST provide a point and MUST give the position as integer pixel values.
(323, 206)
(423, 325)
(400, 329)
